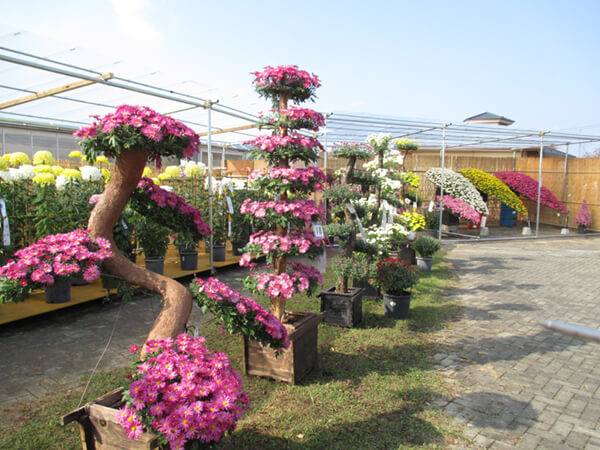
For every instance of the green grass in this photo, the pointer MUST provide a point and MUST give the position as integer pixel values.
(373, 387)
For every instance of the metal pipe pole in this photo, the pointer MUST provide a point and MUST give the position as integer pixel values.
(210, 189)
(442, 158)
(569, 329)
(565, 170)
(539, 193)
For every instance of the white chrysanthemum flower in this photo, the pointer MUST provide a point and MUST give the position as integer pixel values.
(238, 184)
(26, 172)
(7, 176)
(458, 187)
(167, 188)
(90, 173)
(62, 182)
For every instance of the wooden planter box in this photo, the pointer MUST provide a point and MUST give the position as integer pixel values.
(99, 429)
(343, 310)
(369, 291)
(292, 364)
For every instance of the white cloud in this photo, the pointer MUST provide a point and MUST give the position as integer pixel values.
(130, 17)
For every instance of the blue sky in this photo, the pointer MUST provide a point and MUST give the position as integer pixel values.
(532, 61)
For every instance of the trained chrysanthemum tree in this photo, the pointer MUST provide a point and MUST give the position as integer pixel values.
(343, 198)
(283, 221)
(132, 135)
(392, 219)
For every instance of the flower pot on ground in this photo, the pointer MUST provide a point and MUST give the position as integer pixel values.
(154, 240)
(583, 218)
(405, 253)
(188, 260)
(343, 309)
(50, 260)
(155, 264)
(343, 306)
(425, 247)
(142, 421)
(59, 292)
(188, 256)
(237, 247)
(291, 365)
(219, 252)
(396, 306)
(109, 281)
(369, 291)
(395, 278)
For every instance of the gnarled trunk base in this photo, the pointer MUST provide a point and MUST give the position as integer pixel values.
(177, 299)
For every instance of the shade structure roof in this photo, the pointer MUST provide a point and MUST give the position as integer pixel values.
(233, 116)
(430, 134)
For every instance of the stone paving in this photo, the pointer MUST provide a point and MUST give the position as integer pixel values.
(524, 386)
(57, 350)
(520, 385)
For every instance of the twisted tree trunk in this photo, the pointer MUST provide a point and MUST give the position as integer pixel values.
(177, 299)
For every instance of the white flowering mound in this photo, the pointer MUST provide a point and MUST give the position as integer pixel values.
(458, 187)
(90, 173)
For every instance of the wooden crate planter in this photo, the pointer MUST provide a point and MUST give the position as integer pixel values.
(295, 362)
(99, 429)
(343, 310)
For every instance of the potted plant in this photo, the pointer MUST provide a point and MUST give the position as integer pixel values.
(241, 226)
(153, 238)
(432, 222)
(583, 218)
(282, 220)
(395, 278)
(186, 242)
(425, 247)
(343, 304)
(50, 263)
(219, 228)
(163, 212)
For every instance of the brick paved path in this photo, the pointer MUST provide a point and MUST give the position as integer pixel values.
(521, 386)
(525, 386)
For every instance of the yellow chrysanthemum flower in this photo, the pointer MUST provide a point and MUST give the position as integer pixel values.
(18, 159)
(493, 186)
(6, 157)
(147, 173)
(105, 174)
(171, 172)
(102, 159)
(412, 179)
(3, 164)
(71, 174)
(164, 176)
(43, 168)
(76, 154)
(413, 220)
(42, 157)
(193, 171)
(57, 170)
(44, 178)
(156, 180)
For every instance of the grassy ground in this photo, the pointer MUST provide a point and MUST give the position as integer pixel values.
(373, 387)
